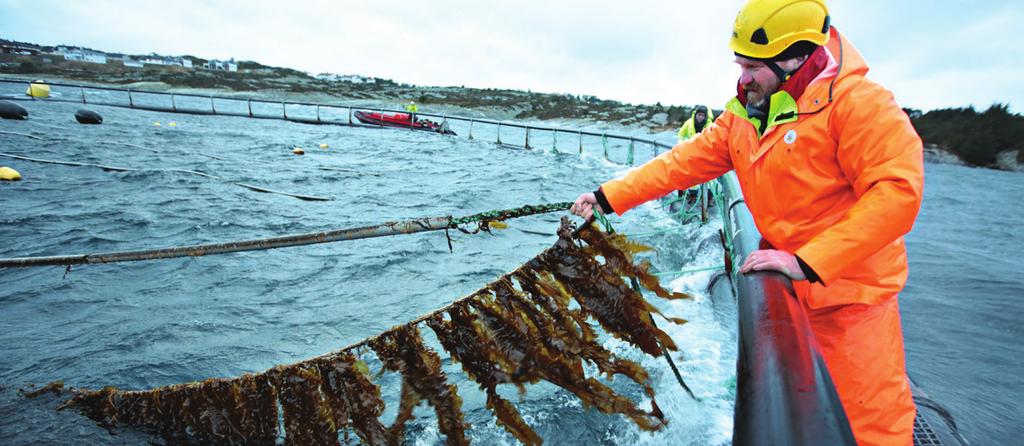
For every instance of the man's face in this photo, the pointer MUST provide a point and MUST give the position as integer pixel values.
(700, 116)
(757, 80)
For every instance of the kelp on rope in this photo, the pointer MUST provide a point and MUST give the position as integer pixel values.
(520, 329)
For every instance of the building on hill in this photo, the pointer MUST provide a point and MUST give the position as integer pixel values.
(81, 54)
(130, 61)
(223, 65)
(19, 50)
(351, 78)
(156, 59)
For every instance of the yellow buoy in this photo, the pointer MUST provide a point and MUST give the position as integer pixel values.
(38, 89)
(157, 124)
(323, 145)
(172, 124)
(298, 151)
(8, 174)
(497, 224)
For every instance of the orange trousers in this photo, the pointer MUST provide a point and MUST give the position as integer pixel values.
(863, 347)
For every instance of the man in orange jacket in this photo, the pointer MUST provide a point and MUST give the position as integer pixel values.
(832, 172)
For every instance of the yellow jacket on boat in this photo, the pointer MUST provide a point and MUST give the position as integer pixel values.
(689, 128)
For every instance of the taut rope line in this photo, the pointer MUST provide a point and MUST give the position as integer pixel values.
(482, 219)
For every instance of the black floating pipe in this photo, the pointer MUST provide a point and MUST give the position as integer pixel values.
(784, 393)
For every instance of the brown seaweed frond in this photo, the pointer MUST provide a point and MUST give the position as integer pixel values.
(618, 251)
(469, 343)
(602, 292)
(506, 317)
(354, 399)
(308, 417)
(569, 333)
(216, 411)
(532, 324)
(402, 350)
(53, 387)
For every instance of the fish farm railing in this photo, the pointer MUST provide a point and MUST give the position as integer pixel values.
(308, 113)
(621, 149)
(784, 392)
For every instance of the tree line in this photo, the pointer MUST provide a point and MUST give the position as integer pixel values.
(976, 137)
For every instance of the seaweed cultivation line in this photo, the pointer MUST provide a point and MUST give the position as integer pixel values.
(483, 222)
(520, 329)
(129, 169)
(4, 132)
(186, 171)
(136, 146)
(532, 324)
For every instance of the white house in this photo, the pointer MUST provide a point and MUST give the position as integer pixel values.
(18, 49)
(223, 65)
(357, 79)
(351, 78)
(82, 54)
(131, 62)
(156, 59)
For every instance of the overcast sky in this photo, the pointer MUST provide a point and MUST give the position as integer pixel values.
(932, 54)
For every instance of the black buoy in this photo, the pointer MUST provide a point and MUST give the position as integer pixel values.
(10, 110)
(84, 116)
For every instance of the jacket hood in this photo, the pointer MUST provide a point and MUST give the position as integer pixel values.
(849, 58)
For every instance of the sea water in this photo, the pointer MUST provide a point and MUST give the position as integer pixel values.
(145, 324)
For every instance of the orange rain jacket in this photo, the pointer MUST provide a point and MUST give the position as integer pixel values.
(839, 188)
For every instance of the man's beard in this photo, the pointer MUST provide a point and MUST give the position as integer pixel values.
(757, 100)
(758, 95)
(757, 108)
(761, 101)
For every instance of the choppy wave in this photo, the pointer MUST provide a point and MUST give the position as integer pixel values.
(156, 323)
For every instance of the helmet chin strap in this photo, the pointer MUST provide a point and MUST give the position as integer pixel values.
(779, 72)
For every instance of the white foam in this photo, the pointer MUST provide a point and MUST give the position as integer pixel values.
(707, 350)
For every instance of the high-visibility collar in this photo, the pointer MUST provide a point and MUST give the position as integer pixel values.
(782, 108)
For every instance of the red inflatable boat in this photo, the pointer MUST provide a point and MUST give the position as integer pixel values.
(403, 120)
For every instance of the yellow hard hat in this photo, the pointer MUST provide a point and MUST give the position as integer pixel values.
(764, 29)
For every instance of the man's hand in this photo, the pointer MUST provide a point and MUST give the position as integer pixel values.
(773, 260)
(584, 205)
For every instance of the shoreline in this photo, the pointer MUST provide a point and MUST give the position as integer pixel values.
(489, 104)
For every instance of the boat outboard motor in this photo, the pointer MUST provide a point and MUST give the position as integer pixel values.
(84, 116)
(10, 110)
